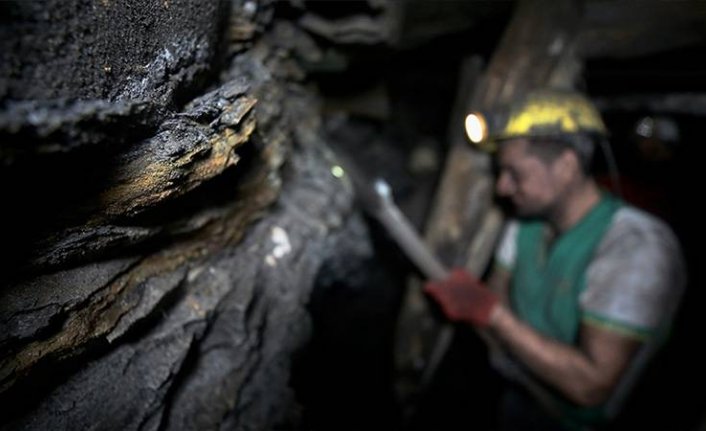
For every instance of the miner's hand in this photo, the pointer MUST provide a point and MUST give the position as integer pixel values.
(464, 298)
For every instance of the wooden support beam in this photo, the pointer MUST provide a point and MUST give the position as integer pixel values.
(670, 103)
(627, 29)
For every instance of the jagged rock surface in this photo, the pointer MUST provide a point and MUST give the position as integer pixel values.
(183, 205)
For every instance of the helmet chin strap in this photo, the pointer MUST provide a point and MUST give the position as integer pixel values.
(612, 166)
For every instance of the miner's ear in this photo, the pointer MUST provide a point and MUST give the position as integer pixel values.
(567, 164)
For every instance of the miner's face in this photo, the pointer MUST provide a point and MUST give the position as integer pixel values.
(530, 183)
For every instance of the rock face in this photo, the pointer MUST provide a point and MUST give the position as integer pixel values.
(172, 202)
(107, 49)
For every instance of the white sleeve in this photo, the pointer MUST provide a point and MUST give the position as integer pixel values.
(506, 253)
(637, 278)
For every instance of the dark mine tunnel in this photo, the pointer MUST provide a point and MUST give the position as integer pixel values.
(222, 214)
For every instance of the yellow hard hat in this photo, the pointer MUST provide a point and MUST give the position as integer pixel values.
(541, 113)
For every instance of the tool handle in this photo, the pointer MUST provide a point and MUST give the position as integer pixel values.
(402, 231)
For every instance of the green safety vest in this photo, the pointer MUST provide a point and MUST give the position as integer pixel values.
(548, 278)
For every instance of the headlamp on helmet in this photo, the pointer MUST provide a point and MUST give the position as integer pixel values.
(541, 113)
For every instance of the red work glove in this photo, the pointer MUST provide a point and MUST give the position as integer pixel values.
(463, 297)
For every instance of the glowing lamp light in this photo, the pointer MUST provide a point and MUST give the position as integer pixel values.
(476, 127)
